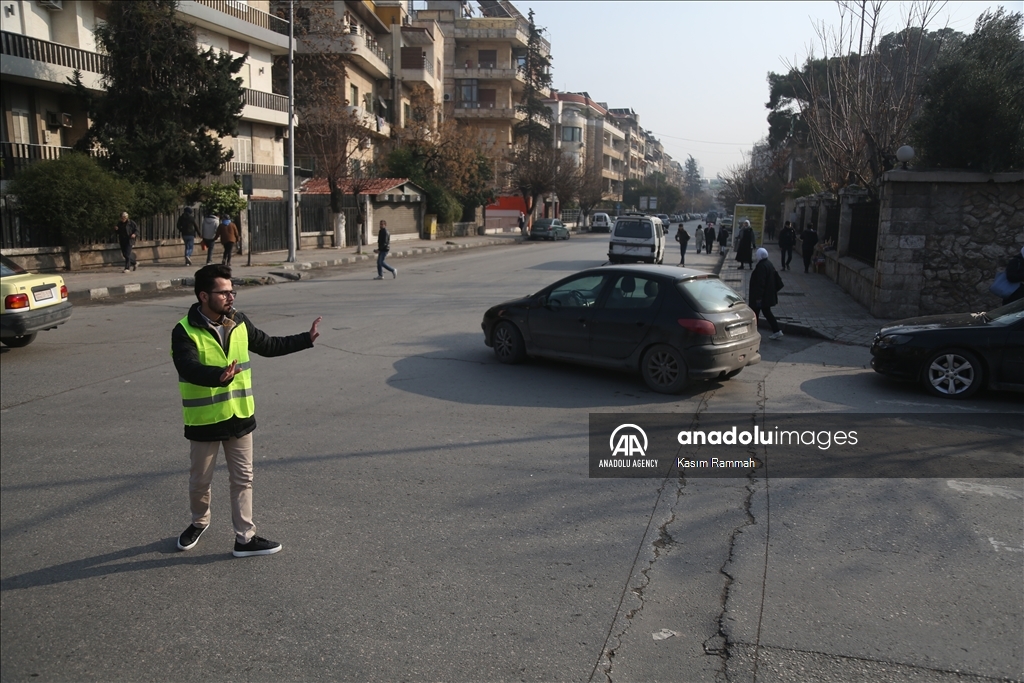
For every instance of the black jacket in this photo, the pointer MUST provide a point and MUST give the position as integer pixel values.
(809, 238)
(187, 225)
(186, 362)
(787, 238)
(126, 231)
(764, 288)
(384, 240)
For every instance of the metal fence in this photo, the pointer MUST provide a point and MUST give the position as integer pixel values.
(268, 225)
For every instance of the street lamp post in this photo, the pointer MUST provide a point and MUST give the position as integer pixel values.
(291, 131)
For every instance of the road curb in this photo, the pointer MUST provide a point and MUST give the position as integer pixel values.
(286, 271)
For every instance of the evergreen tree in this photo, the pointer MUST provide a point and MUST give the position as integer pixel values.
(535, 129)
(166, 104)
(973, 114)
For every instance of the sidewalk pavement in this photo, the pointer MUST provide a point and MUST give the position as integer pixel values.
(809, 305)
(101, 283)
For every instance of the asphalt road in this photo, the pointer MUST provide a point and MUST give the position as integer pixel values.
(439, 523)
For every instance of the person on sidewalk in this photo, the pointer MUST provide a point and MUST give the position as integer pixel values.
(745, 245)
(1015, 274)
(209, 235)
(709, 237)
(522, 223)
(188, 228)
(229, 235)
(787, 240)
(210, 347)
(683, 238)
(383, 247)
(698, 237)
(765, 284)
(127, 232)
(808, 239)
(723, 240)
(769, 228)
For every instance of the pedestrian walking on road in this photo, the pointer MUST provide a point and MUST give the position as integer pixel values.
(522, 223)
(208, 232)
(383, 247)
(210, 347)
(683, 238)
(709, 237)
(745, 245)
(188, 228)
(765, 284)
(808, 238)
(787, 240)
(769, 228)
(229, 235)
(127, 232)
(698, 237)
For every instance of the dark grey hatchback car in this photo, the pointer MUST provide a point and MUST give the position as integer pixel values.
(671, 324)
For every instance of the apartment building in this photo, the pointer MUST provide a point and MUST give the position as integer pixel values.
(482, 54)
(42, 43)
(584, 128)
(636, 142)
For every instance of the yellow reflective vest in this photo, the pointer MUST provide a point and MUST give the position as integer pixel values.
(210, 405)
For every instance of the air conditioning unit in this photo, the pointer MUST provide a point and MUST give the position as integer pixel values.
(58, 120)
(55, 5)
(447, 97)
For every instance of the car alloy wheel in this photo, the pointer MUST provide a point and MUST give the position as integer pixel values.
(664, 369)
(508, 343)
(952, 373)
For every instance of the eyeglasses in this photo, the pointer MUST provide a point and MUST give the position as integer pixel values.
(227, 293)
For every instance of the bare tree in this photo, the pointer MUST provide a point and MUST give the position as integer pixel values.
(862, 99)
(333, 131)
(591, 191)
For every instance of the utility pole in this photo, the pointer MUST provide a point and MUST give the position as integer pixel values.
(291, 131)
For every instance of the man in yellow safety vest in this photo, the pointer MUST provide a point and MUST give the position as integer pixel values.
(210, 347)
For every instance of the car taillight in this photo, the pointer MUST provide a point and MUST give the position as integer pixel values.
(698, 326)
(63, 291)
(12, 301)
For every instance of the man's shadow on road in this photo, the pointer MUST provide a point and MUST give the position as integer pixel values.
(108, 564)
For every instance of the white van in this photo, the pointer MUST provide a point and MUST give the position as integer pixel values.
(637, 237)
(601, 223)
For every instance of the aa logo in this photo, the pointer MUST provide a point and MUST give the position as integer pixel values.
(629, 441)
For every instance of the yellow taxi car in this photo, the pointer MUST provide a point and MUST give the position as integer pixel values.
(31, 303)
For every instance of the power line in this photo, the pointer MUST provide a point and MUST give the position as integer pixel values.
(706, 142)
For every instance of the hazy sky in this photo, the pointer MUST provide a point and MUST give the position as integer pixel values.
(696, 72)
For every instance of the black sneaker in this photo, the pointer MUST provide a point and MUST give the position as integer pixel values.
(189, 537)
(256, 546)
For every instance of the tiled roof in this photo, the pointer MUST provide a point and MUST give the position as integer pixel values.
(374, 186)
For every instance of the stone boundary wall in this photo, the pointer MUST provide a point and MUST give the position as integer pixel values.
(942, 238)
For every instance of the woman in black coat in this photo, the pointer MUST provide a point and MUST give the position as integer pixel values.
(745, 245)
(765, 284)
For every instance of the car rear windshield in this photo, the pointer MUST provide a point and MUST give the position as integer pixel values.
(8, 267)
(710, 295)
(543, 223)
(634, 229)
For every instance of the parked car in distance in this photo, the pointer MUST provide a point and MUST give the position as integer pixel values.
(601, 222)
(637, 238)
(664, 219)
(548, 229)
(31, 303)
(670, 324)
(955, 355)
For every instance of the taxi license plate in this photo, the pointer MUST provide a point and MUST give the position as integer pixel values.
(739, 330)
(42, 294)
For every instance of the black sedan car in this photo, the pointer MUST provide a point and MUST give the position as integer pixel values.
(549, 229)
(671, 324)
(955, 355)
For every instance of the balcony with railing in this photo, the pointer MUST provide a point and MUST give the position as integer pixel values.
(17, 156)
(376, 124)
(366, 52)
(418, 71)
(251, 15)
(60, 61)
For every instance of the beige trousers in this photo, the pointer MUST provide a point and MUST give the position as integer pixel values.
(238, 455)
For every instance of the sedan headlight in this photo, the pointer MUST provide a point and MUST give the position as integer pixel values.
(895, 339)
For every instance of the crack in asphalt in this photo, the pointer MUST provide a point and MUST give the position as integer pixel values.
(664, 540)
